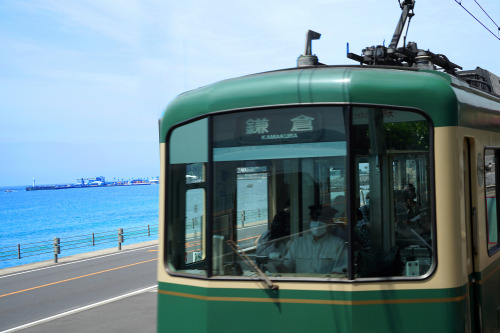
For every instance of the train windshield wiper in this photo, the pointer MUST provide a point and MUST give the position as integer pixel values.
(236, 249)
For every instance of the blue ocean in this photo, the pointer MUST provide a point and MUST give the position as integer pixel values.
(36, 217)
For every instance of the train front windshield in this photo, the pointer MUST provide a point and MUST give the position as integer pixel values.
(302, 192)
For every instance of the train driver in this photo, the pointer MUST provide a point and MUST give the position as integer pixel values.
(318, 251)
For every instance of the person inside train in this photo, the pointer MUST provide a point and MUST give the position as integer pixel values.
(273, 242)
(363, 225)
(418, 220)
(401, 210)
(318, 250)
(340, 204)
(411, 203)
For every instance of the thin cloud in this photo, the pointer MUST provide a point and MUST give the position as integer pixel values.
(119, 20)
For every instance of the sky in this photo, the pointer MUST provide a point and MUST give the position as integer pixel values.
(84, 82)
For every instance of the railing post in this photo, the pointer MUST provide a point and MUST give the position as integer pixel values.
(242, 218)
(57, 248)
(120, 238)
(56, 245)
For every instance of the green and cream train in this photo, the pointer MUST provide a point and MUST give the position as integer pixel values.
(332, 199)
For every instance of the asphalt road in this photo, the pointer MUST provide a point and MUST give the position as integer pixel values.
(105, 291)
(104, 286)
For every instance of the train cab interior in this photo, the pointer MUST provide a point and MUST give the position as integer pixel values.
(305, 192)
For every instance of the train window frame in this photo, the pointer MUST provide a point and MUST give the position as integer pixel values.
(188, 133)
(491, 174)
(392, 155)
(208, 118)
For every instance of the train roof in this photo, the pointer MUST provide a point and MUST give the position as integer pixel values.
(444, 97)
(392, 76)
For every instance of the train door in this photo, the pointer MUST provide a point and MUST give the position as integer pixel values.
(474, 313)
(241, 208)
(252, 203)
(489, 167)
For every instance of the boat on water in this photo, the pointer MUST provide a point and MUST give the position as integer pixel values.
(140, 182)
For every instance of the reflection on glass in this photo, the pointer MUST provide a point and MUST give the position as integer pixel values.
(300, 154)
(491, 197)
(280, 202)
(393, 228)
(194, 173)
(195, 213)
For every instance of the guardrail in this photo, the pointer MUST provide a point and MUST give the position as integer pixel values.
(58, 245)
(246, 216)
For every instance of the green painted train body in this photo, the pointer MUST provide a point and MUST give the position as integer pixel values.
(448, 101)
(458, 286)
(224, 310)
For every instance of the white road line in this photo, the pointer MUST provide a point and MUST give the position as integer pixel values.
(87, 307)
(77, 261)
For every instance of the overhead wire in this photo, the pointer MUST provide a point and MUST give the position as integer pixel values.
(460, 3)
(487, 14)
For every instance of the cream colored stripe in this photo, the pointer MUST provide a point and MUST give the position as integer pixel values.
(314, 301)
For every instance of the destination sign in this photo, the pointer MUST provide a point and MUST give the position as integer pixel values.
(278, 128)
(360, 116)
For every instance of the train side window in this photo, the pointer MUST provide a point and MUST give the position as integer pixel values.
(393, 228)
(186, 195)
(195, 224)
(491, 174)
